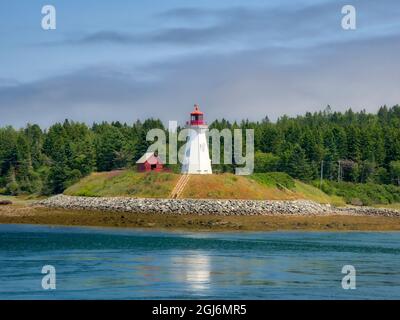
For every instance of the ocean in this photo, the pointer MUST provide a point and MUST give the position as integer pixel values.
(109, 263)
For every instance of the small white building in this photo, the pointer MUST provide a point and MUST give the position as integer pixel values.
(196, 158)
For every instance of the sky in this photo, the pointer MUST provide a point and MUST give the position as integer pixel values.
(238, 59)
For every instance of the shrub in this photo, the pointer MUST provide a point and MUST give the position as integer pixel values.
(12, 188)
(265, 162)
(362, 193)
(275, 179)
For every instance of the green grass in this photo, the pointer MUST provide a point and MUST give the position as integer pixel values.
(260, 186)
(312, 193)
(230, 186)
(363, 193)
(279, 180)
(299, 190)
(21, 200)
(395, 206)
(125, 183)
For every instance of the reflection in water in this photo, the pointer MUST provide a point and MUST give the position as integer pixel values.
(109, 264)
(194, 270)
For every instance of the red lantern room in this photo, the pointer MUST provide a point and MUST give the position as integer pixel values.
(196, 117)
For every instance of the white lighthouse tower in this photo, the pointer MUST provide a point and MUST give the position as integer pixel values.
(196, 158)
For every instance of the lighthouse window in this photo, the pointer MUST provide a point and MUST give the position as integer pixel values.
(196, 117)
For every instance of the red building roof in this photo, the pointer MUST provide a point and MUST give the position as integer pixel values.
(150, 158)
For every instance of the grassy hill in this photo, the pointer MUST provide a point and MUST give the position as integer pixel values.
(271, 186)
(125, 183)
(366, 194)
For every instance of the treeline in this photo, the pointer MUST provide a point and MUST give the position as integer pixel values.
(47, 162)
(350, 146)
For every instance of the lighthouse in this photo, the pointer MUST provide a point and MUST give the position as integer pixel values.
(196, 159)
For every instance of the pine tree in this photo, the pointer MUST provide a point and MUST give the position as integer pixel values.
(108, 142)
(295, 163)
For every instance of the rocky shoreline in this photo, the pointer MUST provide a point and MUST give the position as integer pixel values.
(209, 206)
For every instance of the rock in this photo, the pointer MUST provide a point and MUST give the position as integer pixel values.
(208, 206)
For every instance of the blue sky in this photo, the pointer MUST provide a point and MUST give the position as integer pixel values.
(124, 60)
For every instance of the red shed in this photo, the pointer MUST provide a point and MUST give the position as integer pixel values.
(149, 162)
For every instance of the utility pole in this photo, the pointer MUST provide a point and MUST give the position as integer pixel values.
(322, 173)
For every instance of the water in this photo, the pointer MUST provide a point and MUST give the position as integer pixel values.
(101, 263)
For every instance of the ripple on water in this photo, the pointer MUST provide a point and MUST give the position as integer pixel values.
(128, 264)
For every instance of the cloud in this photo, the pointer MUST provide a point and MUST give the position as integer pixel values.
(182, 35)
(254, 27)
(238, 62)
(87, 95)
(107, 36)
(187, 13)
(246, 84)
(7, 82)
